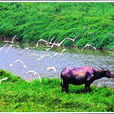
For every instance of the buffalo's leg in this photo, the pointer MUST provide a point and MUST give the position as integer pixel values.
(65, 86)
(87, 87)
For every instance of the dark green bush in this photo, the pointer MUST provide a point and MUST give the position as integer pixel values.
(93, 22)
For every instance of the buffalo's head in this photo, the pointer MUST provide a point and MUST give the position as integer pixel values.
(107, 73)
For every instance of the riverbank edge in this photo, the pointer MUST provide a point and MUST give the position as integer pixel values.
(2, 39)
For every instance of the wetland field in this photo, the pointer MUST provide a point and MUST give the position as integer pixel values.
(38, 40)
(23, 92)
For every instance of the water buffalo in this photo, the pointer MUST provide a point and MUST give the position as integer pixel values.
(82, 75)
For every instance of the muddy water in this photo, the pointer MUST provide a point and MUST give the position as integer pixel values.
(31, 59)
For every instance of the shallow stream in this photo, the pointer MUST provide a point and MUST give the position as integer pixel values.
(30, 58)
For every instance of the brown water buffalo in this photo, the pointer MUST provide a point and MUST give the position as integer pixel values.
(82, 75)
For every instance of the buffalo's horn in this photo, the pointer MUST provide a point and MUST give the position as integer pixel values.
(103, 69)
(107, 69)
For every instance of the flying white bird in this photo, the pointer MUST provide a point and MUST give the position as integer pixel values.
(44, 56)
(47, 49)
(59, 44)
(34, 73)
(26, 49)
(88, 45)
(3, 47)
(12, 41)
(60, 53)
(37, 44)
(52, 68)
(36, 54)
(72, 39)
(16, 46)
(20, 61)
(3, 79)
(42, 40)
(54, 44)
(9, 48)
(51, 40)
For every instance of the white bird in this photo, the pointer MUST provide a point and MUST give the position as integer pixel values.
(37, 44)
(9, 48)
(51, 40)
(52, 68)
(12, 41)
(34, 73)
(54, 44)
(3, 47)
(42, 40)
(36, 54)
(44, 56)
(47, 49)
(11, 45)
(72, 39)
(26, 49)
(59, 44)
(3, 79)
(60, 53)
(88, 45)
(20, 61)
(16, 46)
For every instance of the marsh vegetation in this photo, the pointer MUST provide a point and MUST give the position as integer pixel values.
(24, 25)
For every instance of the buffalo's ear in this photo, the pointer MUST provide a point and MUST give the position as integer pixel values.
(88, 76)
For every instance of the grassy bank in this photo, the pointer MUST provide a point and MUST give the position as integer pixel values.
(17, 94)
(93, 23)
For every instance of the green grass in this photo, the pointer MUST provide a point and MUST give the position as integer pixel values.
(92, 22)
(18, 95)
